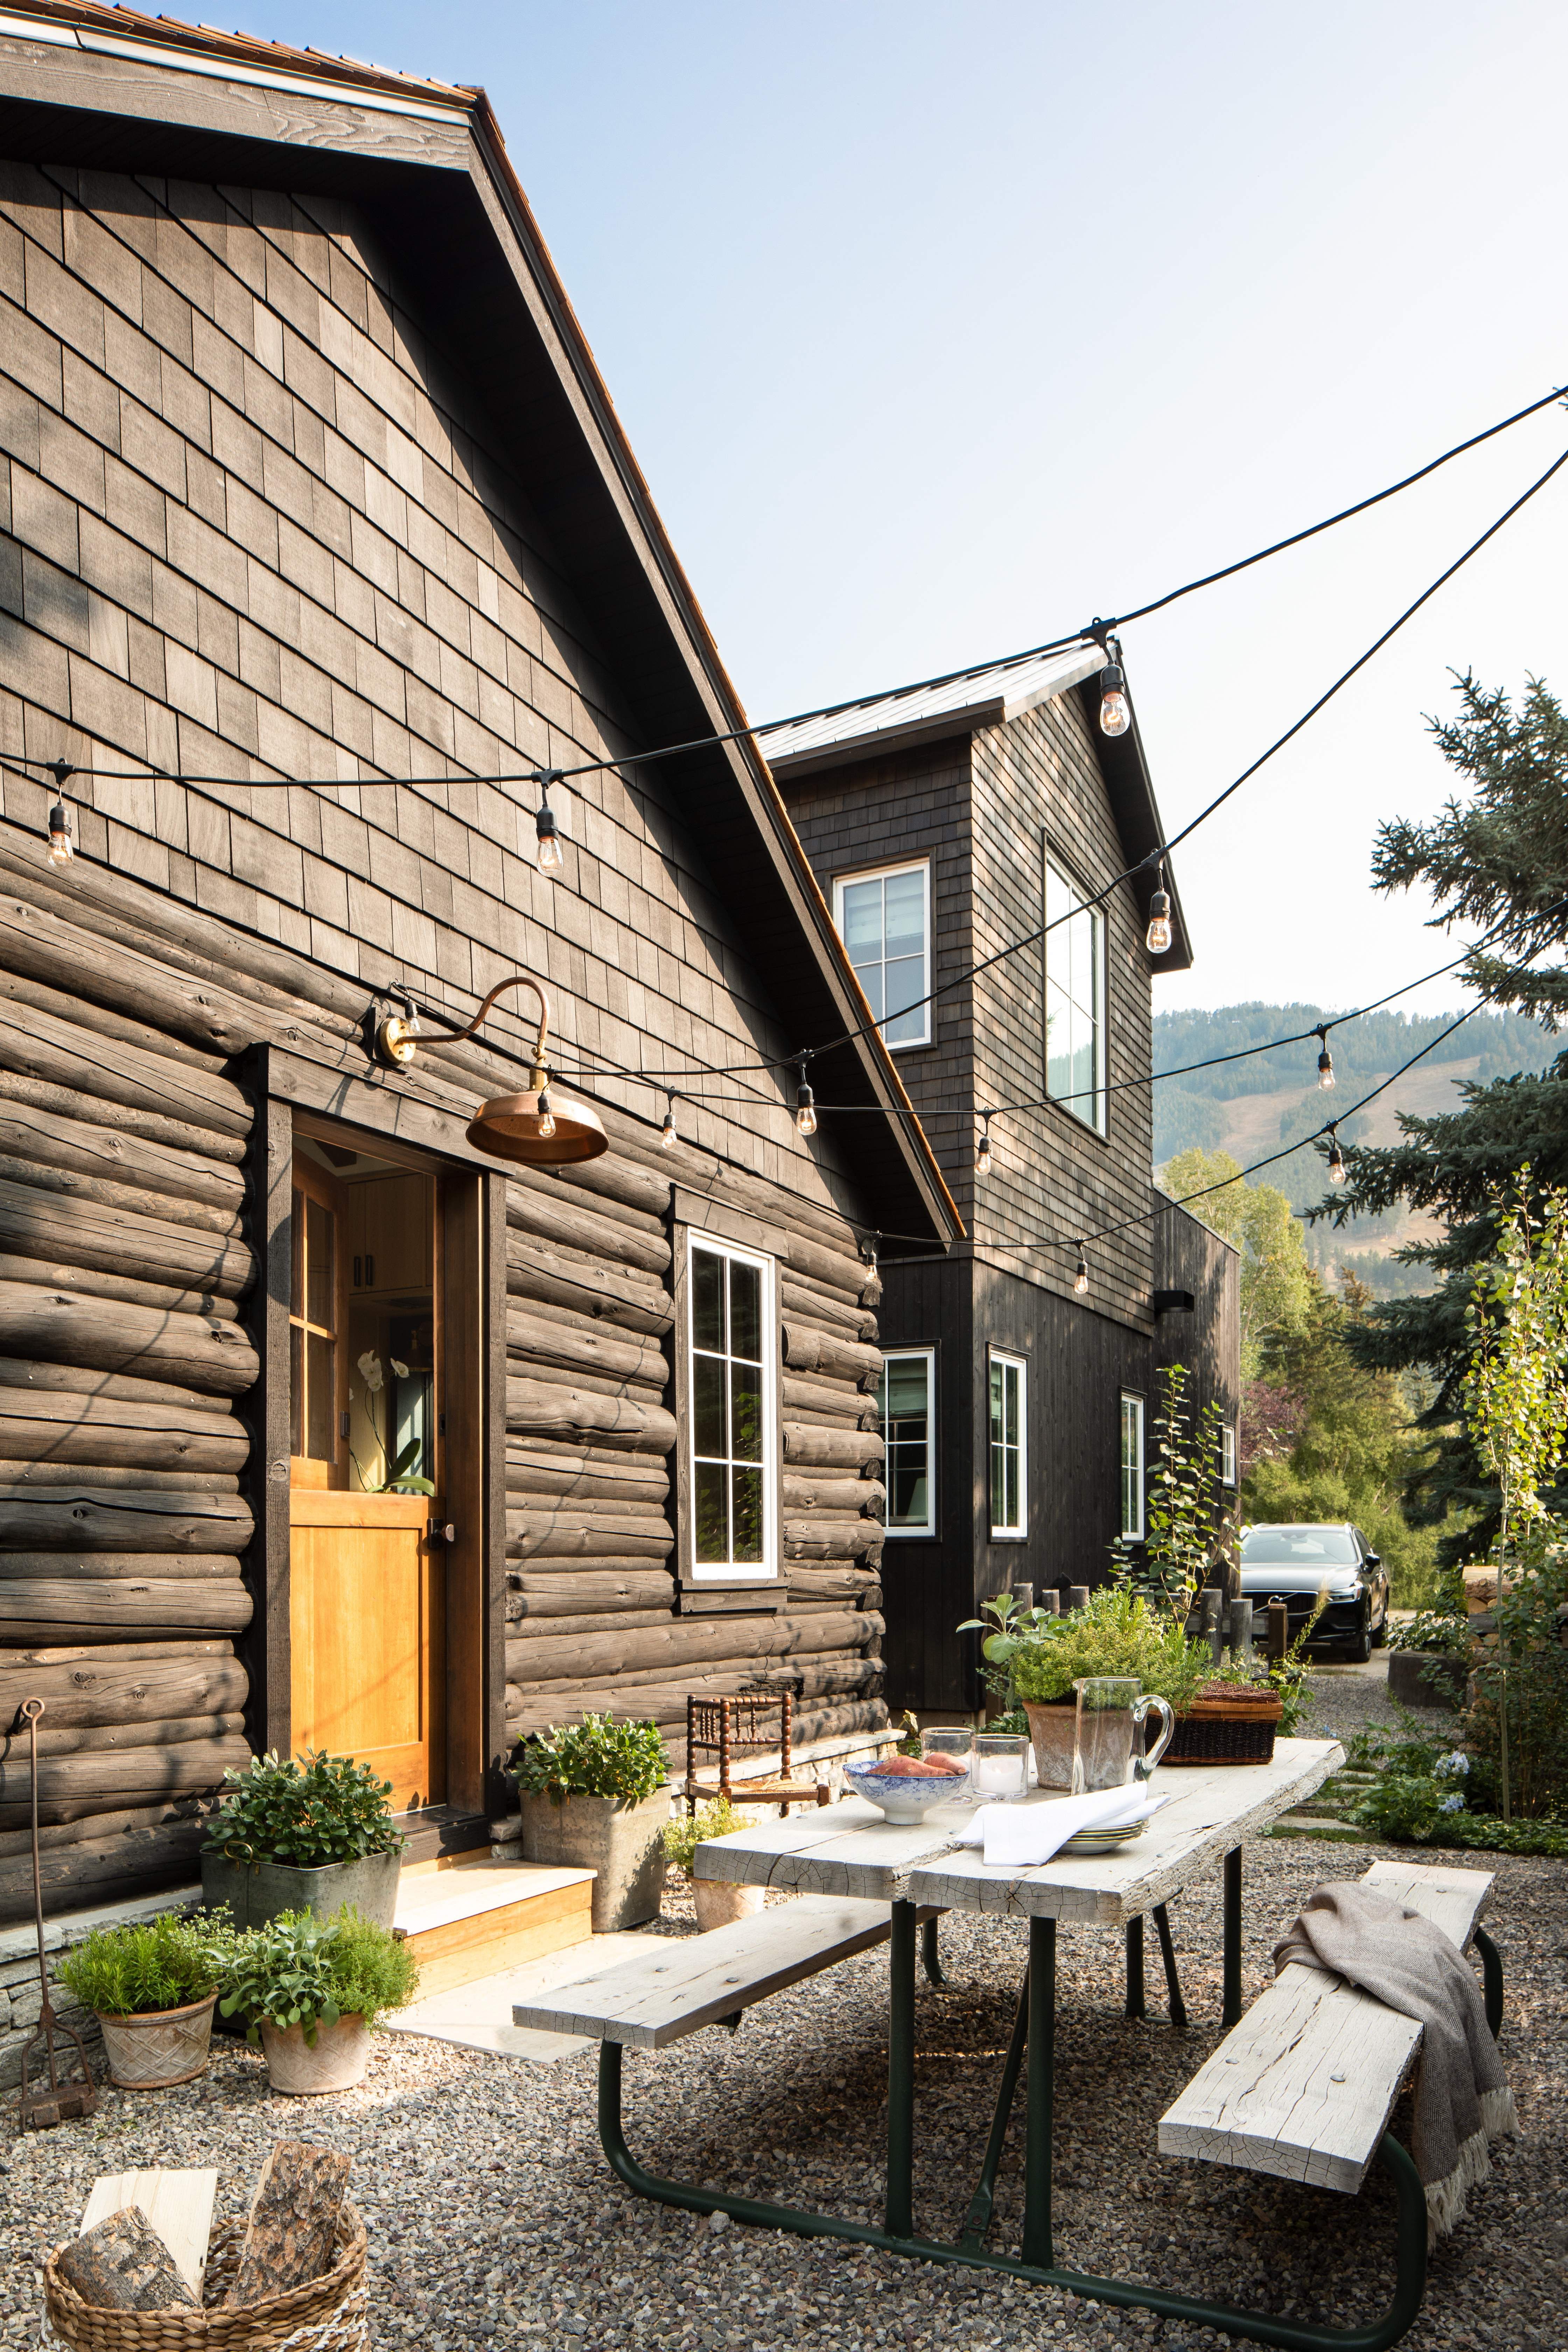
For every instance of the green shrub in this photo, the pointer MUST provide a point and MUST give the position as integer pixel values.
(595, 1758)
(301, 1970)
(160, 1963)
(682, 1837)
(320, 1810)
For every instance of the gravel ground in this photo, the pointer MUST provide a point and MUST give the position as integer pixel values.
(494, 2220)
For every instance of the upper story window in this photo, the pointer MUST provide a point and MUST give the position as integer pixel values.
(906, 1397)
(732, 1415)
(1075, 999)
(884, 921)
(1131, 1466)
(1227, 1453)
(1009, 1446)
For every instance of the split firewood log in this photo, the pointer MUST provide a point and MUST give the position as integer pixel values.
(122, 2264)
(292, 2228)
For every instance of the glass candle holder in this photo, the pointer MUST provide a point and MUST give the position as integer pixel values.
(1000, 1772)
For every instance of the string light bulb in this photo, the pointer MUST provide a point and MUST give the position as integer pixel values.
(1157, 938)
(1080, 1279)
(668, 1135)
(552, 856)
(546, 1116)
(61, 848)
(1115, 714)
(1325, 1062)
(805, 1107)
(1337, 1171)
(983, 1155)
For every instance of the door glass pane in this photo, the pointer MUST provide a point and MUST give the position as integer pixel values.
(713, 1533)
(320, 1401)
(746, 1311)
(708, 1405)
(707, 1300)
(748, 1518)
(320, 1236)
(296, 1384)
(297, 1254)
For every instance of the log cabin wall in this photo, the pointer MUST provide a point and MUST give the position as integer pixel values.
(256, 523)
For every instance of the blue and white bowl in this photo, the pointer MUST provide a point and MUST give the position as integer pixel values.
(904, 1797)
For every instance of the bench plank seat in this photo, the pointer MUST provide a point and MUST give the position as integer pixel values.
(687, 1982)
(1303, 2086)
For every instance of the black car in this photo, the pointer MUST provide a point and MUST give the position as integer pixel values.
(1293, 1564)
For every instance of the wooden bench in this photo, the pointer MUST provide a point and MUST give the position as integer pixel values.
(687, 1982)
(1304, 2086)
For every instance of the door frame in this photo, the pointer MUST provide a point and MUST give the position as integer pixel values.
(388, 1121)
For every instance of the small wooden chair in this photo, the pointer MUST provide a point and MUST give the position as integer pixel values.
(728, 1728)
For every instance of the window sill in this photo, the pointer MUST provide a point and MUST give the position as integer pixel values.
(1009, 1534)
(724, 1596)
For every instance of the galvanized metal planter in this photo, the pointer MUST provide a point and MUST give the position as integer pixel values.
(257, 1892)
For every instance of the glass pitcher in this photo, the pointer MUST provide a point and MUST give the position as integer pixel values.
(1107, 1733)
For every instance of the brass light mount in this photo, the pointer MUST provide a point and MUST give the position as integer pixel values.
(538, 1128)
(397, 1034)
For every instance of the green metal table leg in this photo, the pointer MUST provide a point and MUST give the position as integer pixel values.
(1258, 2328)
(901, 2072)
(928, 1960)
(1230, 2013)
(1135, 2005)
(1042, 2032)
(978, 2220)
(1168, 1955)
(1491, 1979)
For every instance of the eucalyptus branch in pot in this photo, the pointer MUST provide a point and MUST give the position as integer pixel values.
(402, 1479)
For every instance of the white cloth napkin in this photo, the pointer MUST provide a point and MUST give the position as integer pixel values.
(1019, 1836)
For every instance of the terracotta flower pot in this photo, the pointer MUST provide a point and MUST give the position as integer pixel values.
(1052, 1727)
(337, 2063)
(719, 1901)
(159, 2047)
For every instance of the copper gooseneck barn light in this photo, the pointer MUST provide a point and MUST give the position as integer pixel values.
(536, 1129)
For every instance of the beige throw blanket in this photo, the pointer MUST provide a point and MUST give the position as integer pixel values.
(1462, 2098)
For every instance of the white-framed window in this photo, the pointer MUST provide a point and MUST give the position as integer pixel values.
(1131, 1466)
(1227, 1453)
(1009, 1445)
(884, 921)
(906, 1398)
(1075, 999)
(732, 1416)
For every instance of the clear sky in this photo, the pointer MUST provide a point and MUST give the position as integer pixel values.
(939, 329)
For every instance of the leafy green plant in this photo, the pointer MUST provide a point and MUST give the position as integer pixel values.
(401, 1478)
(1444, 1627)
(318, 1810)
(682, 1837)
(301, 1970)
(149, 1964)
(595, 1758)
(1012, 1628)
(1189, 1514)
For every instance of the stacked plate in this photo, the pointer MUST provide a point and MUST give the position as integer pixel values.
(1103, 1841)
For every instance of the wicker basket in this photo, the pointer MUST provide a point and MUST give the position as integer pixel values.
(1227, 1728)
(326, 2314)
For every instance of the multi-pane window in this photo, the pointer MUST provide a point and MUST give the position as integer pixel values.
(314, 1300)
(731, 1412)
(1075, 999)
(884, 921)
(906, 1398)
(1227, 1453)
(1133, 1467)
(1009, 1446)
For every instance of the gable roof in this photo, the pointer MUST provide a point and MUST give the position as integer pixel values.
(995, 697)
(114, 90)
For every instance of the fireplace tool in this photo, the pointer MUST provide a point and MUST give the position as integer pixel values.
(67, 2095)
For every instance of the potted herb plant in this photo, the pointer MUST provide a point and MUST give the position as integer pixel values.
(593, 1799)
(153, 1984)
(1115, 1633)
(717, 1901)
(310, 1991)
(307, 1835)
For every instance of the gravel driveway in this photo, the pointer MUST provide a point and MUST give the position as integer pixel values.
(494, 2220)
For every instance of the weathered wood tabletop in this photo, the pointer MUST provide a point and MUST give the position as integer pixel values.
(849, 1849)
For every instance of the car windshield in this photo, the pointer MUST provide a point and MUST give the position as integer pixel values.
(1298, 1548)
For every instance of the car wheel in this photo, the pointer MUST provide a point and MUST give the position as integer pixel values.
(1360, 1648)
(1380, 1632)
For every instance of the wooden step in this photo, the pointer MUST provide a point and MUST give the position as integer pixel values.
(472, 1920)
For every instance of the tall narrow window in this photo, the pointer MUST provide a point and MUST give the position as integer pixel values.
(731, 1412)
(1131, 1467)
(906, 1397)
(1075, 1000)
(316, 1366)
(884, 921)
(1009, 1446)
(1227, 1453)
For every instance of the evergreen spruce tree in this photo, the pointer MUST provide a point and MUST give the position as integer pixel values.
(1499, 857)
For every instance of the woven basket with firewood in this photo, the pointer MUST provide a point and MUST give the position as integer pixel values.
(1227, 1723)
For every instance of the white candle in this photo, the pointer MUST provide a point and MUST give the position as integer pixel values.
(998, 1776)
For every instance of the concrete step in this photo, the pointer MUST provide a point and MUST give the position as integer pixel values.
(472, 1916)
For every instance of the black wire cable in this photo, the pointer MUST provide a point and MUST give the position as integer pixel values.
(1092, 633)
